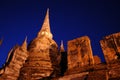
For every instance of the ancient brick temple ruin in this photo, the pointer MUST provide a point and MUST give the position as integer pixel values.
(42, 60)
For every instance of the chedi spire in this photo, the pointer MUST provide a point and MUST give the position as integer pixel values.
(24, 45)
(62, 47)
(45, 30)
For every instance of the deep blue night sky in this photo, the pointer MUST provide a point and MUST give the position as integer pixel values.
(69, 19)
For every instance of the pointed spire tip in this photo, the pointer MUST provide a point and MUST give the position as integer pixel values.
(24, 44)
(47, 9)
(62, 47)
(61, 41)
(45, 29)
(26, 38)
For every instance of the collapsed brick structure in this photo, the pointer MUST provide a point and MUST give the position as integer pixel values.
(42, 60)
(79, 53)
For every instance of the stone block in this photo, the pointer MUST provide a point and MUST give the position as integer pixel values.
(111, 47)
(79, 52)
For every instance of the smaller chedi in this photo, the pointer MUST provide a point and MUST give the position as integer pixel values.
(41, 59)
(16, 59)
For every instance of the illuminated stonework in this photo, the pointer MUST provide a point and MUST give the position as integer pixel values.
(43, 60)
(79, 52)
(111, 47)
(43, 52)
